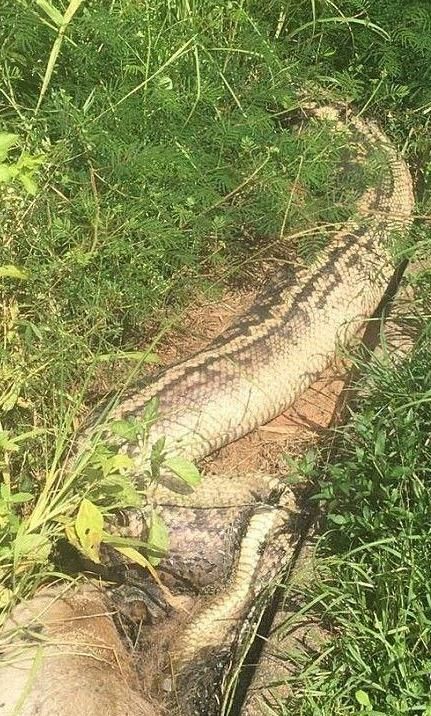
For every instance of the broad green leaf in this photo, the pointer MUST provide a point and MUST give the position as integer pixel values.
(157, 457)
(7, 173)
(158, 537)
(380, 443)
(7, 141)
(118, 462)
(124, 429)
(184, 469)
(32, 547)
(7, 444)
(71, 535)
(147, 357)
(165, 82)
(151, 412)
(5, 492)
(337, 519)
(28, 183)
(116, 491)
(362, 698)
(89, 529)
(11, 399)
(29, 162)
(134, 556)
(6, 554)
(11, 271)
(20, 497)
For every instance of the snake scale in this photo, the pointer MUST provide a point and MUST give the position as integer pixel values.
(228, 537)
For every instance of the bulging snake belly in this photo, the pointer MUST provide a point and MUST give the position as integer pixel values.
(272, 353)
(241, 380)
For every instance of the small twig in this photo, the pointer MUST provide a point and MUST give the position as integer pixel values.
(97, 213)
(6, 470)
(63, 22)
(289, 203)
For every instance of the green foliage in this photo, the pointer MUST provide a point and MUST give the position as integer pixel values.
(22, 170)
(74, 502)
(394, 55)
(374, 575)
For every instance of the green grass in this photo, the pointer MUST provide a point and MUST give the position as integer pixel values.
(372, 571)
(153, 160)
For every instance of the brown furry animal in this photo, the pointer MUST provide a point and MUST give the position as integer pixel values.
(62, 656)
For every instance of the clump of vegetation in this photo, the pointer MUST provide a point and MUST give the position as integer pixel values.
(373, 563)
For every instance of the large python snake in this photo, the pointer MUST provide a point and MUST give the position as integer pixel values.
(228, 536)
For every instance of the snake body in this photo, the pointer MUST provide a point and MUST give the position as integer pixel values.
(244, 378)
(271, 354)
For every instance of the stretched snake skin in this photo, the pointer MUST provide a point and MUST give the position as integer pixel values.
(228, 537)
(272, 353)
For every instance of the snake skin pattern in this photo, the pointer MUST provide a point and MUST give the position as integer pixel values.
(231, 532)
(281, 345)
